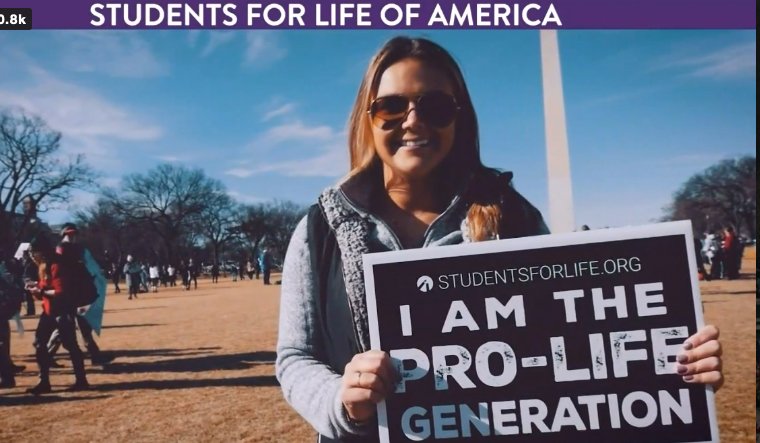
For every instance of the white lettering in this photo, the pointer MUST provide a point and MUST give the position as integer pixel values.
(645, 296)
(569, 298)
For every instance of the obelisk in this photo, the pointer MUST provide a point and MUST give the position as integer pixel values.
(561, 217)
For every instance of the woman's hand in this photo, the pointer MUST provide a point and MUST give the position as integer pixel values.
(700, 362)
(35, 291)
(368, 378)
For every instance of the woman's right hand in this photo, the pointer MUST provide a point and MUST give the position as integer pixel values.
(367, 379)
(35, 291)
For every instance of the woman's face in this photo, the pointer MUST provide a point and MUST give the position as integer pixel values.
(414, 147)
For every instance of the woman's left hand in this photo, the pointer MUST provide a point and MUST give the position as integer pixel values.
(700, 361)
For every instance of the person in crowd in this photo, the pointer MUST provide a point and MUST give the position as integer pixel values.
(115, 277)
(154, 276)
(707, 241)
(29, 273)
(700, 260)
(741, 243)
(717, 261)
(183, 273)
(416, 180)
(215, 273)
(11, 296)
(171, 273)
(144, 278)
(133, 272)
(192, 274)
(731, 259)
(69, 250)
(32, 228)
(249, 269)
(163, 276)
(58, 312)
(265, 262)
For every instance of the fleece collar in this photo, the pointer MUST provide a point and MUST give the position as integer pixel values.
(352, 236)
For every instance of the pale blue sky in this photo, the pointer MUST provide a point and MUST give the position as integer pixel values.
(265, 112)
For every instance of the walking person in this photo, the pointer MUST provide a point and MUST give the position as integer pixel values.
(700, 259)
(266, 265)
(58, 312)
(707, 242)
(183, 273)
(144, 278)
(717, 261)
(192, 274)
(171, 273)
(88, 318)
(29, 273)
(154, 277)
(11, 297)
(133, 272)
(115, 278)
(163, 276)
(32, 228)
(215, 273)
(249, 269)
(416, 180)
(731, 259)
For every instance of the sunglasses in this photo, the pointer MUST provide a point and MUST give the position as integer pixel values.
(436, 109)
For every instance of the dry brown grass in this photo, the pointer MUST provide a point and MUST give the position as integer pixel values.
(199, 366)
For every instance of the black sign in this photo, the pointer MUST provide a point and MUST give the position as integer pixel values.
(568, 337)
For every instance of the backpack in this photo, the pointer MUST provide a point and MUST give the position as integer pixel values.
(11, 294)
(78, 282)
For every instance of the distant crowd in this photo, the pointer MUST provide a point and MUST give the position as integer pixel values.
(60, 274)
(141, 276)
(721, 251)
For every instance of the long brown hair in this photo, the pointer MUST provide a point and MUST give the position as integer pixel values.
(42, 245)
(484, 216)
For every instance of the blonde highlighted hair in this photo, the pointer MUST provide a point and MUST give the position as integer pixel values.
(484, 215)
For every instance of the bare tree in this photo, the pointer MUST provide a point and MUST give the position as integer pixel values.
(218, 223)
(284, 217)
(271, 224)
(254, 225)
(32, 167)
(723, 194)
(110, 236)
(168, 198)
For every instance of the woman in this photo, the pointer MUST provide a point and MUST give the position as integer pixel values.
(416, 180)
(58, 313)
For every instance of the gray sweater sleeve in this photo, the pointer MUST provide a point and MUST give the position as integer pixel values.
(310, 386)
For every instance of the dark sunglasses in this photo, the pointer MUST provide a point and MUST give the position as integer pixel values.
(436, 109)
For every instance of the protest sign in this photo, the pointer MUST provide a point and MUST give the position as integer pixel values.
(537, 339)
(23, 247)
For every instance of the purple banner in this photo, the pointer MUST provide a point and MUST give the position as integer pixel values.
(420, 14)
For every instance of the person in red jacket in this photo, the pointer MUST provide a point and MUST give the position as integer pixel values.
(731, 260)
(58, 313)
